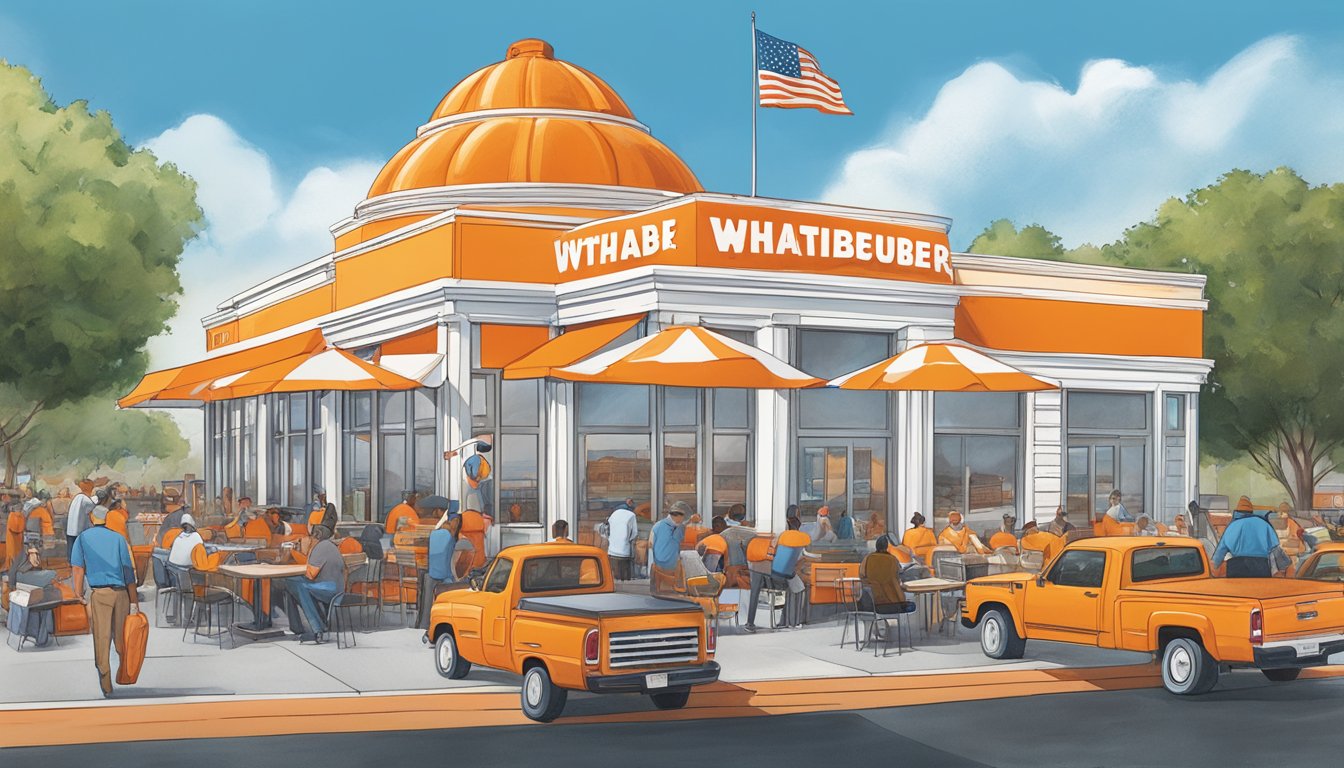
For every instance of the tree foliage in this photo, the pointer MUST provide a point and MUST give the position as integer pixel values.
(91, 231)
(1272, 247)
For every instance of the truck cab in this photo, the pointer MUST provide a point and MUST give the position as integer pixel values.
(550, 613)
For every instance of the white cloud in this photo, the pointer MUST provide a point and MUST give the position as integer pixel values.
(1088, 163)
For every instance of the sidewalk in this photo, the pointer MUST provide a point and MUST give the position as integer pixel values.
(394, 660)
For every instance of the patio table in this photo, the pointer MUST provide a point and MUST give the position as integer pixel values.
(259, 573)
(926, 590)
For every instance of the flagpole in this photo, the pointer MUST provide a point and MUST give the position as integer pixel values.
(754, 103)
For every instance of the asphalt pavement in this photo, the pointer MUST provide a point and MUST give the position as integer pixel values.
(1245, 721)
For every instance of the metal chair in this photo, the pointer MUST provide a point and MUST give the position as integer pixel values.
(365, 580)
(343, 602)
(852, 591)
(405, 563)
(208, 602)
(166, 594)
(885, 619)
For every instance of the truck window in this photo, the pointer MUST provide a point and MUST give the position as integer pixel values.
(499, 575)
(547, 574)
(1079, 568)
(1328, 567)
(1165, 563)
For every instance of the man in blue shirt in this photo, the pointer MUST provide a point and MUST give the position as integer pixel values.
(442, 547)
(1249, 540)
(102, 556)
(665, 549)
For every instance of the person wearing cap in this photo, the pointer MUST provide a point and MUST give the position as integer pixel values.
(403, 515)
(103, 558)
(37, 517)
(188, 549)
(820, 530)
(1036, 540)
(77, 519)
(958, 535)
(1006, 536)
(560, 533)
(918, 539)
(171, 524)
(323, 512)
(1248, 543)
(442, 545)
(321, 582)
(665, 549)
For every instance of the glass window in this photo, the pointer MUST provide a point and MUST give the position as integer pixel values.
(298, 411)
(1078, 483)
(547, 574)
(680, 469)
(392, 474)
(1166, 563)
(1108, 411)
(1329, 566)
(975, 475)
(615, 468)
(976, 410)
(681, 406)
(482, 403)
(731, 409)
(425, 408)
(358, 456)
(297, 470)
(499, 575)
(315, 466)
(361, 409)
(730, 473)
(1079, 568)
(392, 409)
(520, 403)
(519, 471)
(1174, 420)
(613, 405)
(427, 460)
(849, 476)
(828, 354)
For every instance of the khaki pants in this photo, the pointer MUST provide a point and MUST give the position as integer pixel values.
(108, 609)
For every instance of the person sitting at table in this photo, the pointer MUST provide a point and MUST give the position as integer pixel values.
(442, 545)
(1006, 536)
(880, 572)
(188, 550)
(171, 525)
(918, 539)
(235, 527)
(713, 549)
(957, 535)
(322, 581)
(276, 527)
(259, 526)
(1036, 540)
(403, 515)
(560, 533)
(819, 530)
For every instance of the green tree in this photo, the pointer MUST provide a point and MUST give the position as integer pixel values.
(1272, 247)
(83, 435)
(1003, 238)
(91, 231)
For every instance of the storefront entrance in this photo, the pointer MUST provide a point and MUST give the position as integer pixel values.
(847, 475)
(1098, 466)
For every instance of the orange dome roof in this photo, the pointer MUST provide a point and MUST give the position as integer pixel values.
(530, 77)
(562, 125)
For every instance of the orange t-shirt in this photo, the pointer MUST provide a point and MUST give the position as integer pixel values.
(256, 528)
(959, 539)
(1002, 539)
(116, 521)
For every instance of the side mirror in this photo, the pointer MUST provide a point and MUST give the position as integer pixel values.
(1040, 580)
(476, 578)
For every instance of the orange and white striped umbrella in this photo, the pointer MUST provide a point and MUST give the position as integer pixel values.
(688, 356)
(942, 367)
(326, 369)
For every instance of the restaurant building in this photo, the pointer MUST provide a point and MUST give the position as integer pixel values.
(533, 221)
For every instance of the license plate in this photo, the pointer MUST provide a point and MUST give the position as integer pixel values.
(1307, 648)
(657, 680)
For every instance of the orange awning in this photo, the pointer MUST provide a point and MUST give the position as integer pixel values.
(322, 370)
(941, 367)
(569, 347)
(1045, 325)
(189, 385)
(688, 356)
(415, 355)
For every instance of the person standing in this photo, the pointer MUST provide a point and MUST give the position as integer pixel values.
(102, 557)
(665, 550)
(442, 546)
(622, 530)
(77, 519)
(1247, 543)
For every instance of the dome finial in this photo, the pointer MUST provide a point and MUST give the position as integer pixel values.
(533, 47)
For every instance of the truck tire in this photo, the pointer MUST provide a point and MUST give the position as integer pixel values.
(998, 636)
(447, 660)
(670, 699)
(1281, 675)
(543, 701)
(1188, 669)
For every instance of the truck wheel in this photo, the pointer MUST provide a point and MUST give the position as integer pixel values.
(1281, 675)
(998, 636)
(542, 700)
(670, 699)
(1188, 669)
(447, 660)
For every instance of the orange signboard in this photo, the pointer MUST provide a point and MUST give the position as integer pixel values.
(719, 233)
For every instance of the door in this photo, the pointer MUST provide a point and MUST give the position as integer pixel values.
(495, 614)
(1097, 466)
(847, 475)
(1067, 605)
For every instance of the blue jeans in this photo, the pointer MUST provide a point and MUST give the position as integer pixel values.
(308, 593)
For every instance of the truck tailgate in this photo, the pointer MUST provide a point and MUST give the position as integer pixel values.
(1304, 615)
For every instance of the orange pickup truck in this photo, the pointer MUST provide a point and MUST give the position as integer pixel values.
(550, 613)
(1155, 595)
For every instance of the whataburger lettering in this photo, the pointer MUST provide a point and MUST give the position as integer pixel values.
(751, 237)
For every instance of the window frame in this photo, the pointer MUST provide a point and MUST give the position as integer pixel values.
(1134, 557)
(1058, 563)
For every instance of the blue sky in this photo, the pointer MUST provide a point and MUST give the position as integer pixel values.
(1081, 116)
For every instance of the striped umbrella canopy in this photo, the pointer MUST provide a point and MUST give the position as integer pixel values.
(688, 356)
(326, 369)
(942, 367)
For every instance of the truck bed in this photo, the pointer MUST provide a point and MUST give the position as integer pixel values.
(1258, 589)
(609, 604)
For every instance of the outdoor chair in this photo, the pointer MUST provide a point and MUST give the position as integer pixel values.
(347, 600)
(854, 614)
(828, 577)
(776, 592)
(167, 595)
(407, 575)
(209, 604)
(883, 619)
(366, 582)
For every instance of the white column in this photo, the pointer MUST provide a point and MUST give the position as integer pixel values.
(561, 456)
(329, 411)
(1045, 448)
(265, 439)
(1191, 449)
(457, 396)
(770, 442)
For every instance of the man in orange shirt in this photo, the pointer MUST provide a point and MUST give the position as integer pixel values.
(961, 537)
(404, 514)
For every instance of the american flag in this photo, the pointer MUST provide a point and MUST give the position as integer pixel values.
(789, 77)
